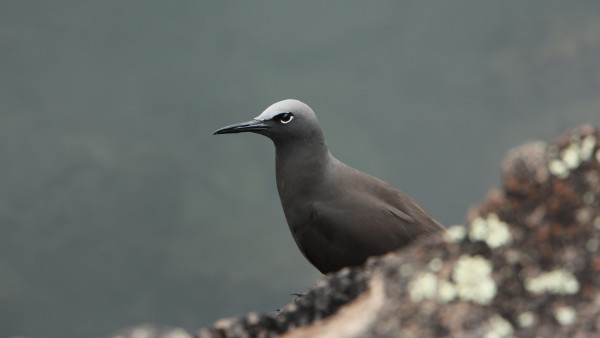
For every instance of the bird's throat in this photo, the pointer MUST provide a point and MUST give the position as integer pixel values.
(300, 169)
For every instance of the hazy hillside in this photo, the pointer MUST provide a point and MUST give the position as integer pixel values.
(117, 206)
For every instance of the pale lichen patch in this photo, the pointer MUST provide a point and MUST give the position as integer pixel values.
(499, 327)
(455, 233)
(587, 147)
(526, 319)
(427, 286)
(472, 277)
(446, 291)
(406, 269)
(474, 282)
(570, 156)
(565, 315)
(435, 264)
(578, 151)
(491, 230)
(423, 287)
(558, 281)
(589, 198)
(558, 168)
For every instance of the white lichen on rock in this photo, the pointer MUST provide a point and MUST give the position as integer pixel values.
(423, 287)
(446, 291)
(406, 269)
(427, 286)
(491, 230)
(455, 234)
(472, 275)
(570, 158)
(565, 315)
(150, 331)
(558, 168)
(587, 147)
(526, 319)
(499, 328)
(435, 264)
(560, 282)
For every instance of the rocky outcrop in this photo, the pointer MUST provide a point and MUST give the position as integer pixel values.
(527, 264)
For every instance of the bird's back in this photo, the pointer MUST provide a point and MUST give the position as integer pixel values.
(354, 216)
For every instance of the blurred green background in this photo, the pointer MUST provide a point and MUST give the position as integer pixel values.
(118, 207)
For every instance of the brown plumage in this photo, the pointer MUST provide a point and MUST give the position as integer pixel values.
(338, 216)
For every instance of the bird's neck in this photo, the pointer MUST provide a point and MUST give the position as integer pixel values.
(301, 167)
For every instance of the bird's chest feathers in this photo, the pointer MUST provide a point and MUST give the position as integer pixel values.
(302, 178)
(298, 178)
(297, 196)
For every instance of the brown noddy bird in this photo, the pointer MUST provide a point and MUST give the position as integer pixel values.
(338, 215)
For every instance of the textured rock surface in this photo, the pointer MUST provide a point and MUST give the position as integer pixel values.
(527, 264)
(152, 331)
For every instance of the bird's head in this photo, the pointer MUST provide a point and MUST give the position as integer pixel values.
(284, 121)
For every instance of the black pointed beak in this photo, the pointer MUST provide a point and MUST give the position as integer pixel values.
(252, 126)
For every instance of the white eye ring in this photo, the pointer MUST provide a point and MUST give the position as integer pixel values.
(286, 118)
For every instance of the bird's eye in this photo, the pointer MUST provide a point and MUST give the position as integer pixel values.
(286, 118)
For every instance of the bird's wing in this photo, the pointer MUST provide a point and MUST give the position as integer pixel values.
(340, 236)
(398, 204)
(401, 206)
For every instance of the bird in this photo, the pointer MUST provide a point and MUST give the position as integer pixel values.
(338, 215)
